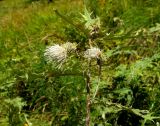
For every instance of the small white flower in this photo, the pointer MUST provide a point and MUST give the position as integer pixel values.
(58, 54)
(93, 52)
(55, 54)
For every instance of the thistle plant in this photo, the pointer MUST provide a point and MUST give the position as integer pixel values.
(59, 54)
(93, 26)
(90, 54)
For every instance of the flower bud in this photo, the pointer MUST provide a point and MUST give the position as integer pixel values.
(92, 53)
(69, 46)
(56, 54)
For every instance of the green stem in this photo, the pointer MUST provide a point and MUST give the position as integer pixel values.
(81, 29)
(99, 78)
(88, 100)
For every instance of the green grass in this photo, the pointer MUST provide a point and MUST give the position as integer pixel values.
(23, 26)
(35, 122)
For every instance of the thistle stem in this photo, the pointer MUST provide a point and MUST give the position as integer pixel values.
(99, 78)
(88, 100)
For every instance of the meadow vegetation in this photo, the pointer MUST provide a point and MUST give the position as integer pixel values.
(111, 77)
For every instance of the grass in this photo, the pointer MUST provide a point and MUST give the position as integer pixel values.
(23, 26)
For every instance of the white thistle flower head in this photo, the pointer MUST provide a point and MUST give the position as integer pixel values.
(69, 46)
(55, 54)
(92, 53)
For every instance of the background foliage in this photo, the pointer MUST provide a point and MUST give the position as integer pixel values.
(34, 92)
